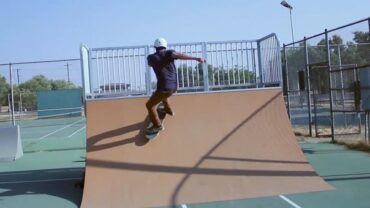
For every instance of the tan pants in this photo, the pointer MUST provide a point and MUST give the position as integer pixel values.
(153, 102)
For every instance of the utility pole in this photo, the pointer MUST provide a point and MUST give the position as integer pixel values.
(18, 75)
(11, 93)
(67, 65)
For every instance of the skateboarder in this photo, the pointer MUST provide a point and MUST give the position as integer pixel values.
(162, 62)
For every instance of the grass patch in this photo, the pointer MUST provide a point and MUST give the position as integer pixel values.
(360, 146)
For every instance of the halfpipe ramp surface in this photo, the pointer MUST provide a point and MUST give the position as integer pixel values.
(219, 146)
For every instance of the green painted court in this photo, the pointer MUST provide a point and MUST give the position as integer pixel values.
(49, 173)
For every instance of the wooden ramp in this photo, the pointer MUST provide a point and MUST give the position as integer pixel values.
(218, 146)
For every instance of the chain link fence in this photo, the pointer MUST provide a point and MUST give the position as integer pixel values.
(22, 82)
(322, 81)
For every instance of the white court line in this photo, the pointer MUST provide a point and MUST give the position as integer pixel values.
(38, 181)
(76, 132)
(281, 196)
(290, 201)
(58, 130)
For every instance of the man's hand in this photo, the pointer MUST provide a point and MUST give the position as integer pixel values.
(201, 60)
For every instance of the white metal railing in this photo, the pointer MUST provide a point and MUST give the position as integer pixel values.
(190, 73)
(269, 56)
(232, 63)
(118, 70)
(123, 71)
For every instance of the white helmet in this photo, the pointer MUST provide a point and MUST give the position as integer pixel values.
(160, 42)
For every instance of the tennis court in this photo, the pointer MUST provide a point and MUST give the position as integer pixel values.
(54, 160)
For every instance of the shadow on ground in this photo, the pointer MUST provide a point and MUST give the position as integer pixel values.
(60, 183)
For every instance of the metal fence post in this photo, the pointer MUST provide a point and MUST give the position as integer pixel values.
(205, 67)
(85, 70)
(367, 137)
(259, 61)
(254, 66)
(148, 77)
(315, 114)
(366, 125)
(11, 92)
(20, 107)
(368, 22)
(278, 61)
(307, 69)
(328, 58)
(341, 79)
(9, 108)
(286, 80)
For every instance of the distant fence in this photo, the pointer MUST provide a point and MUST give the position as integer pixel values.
(123, 71)
(23, 80)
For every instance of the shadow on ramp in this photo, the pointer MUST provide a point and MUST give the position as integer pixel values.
(139, 139)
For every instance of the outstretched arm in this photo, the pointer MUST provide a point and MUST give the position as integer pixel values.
(182, 56)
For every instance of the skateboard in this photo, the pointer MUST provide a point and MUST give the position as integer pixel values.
(162, 116)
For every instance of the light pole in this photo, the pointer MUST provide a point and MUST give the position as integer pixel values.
(285, 4)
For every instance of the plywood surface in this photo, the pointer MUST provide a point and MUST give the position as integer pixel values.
(219, 146)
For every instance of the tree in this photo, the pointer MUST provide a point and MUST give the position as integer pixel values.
(340, 54)
(363, 49)
(233, 76)
(4, 89)
(217, 76)
(27, 90)
(37, 83)
(61, 84)
(186, 76)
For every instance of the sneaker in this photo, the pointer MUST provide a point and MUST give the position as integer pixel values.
(154, 129)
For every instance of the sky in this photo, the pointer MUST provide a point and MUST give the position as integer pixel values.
(46, 30)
